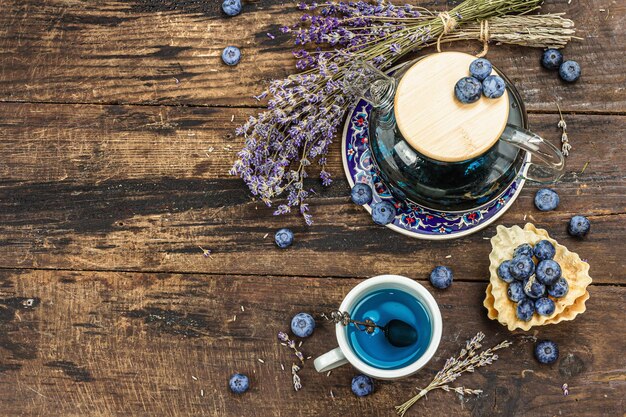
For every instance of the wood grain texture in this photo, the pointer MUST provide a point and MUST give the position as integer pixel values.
(116, 135)
(168, 52)
(102, 344)
(135, 188)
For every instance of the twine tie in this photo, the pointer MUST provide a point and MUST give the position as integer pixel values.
(484, 38)
(449, 23)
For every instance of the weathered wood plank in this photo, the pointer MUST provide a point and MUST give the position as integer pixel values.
(142, 344)
(168, 52)
(133, 188)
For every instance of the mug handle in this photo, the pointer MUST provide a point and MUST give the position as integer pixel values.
(330, 360)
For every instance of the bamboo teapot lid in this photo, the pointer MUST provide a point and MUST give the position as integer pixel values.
(434, 122)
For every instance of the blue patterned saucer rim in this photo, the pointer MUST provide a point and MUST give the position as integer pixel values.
(413, 219)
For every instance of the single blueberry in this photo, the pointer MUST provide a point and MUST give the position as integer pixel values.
(239, 383)
(533, 288)
(283, 238)
(361, 194)
(231, 7)
(544, 250)
(569, 71)
(546, 199)
(362, 385)
(504, 272)
(441, 277)
(579, 226)
(302, 325)
(544, 306)
(480, 68)
(552, 59)
(559, 288)
(523, 250)
(546, 351)
(548, 272)
(493, 86)
(522, 267)
(525, 309)
(231, 55)
(515, 292)
(383, 212)
(468, 90)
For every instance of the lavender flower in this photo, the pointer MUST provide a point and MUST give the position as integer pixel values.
(291, 344)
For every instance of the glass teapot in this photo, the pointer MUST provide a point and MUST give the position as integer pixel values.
(435, 151)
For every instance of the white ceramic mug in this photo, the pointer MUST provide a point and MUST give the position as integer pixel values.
(345, 354)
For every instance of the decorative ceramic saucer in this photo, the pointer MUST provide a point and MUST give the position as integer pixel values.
(413, 219)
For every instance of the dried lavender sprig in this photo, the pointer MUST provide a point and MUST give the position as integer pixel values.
(297, 382)
(566, 147)
(467, 360)
(344, 318)
(284, 338)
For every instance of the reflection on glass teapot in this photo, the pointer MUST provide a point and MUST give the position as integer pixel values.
(435, 151)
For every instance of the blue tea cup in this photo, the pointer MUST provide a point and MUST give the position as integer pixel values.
(381, 299)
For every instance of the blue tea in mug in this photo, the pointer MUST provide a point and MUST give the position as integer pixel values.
(382, 306)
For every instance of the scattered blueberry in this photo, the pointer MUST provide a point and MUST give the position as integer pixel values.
(383, 212)
(544, 306)
(361, 194)
(552, 59)
(231, 7)
(525, 309)
(362, 385)
(493, 86)
(231, 55)
(441, 277)
(523, 250)
(283, 238)
(569, 71)
(239, 383)
(544, 250)
(302, 325)
(504, 272)
(559, 288)
(533, 288)
(546, 199)
(548, 272)
(579, 226)
(516, 292)
(522, 267)
(468, 90)
(546, 351)
(480, 68)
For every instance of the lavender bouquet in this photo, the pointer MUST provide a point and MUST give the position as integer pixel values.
(305, 110)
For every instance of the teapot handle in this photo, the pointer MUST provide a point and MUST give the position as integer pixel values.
(363, 80)
(548, 162)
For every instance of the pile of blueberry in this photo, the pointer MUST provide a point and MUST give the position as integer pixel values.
(469, 89)
(530, 284)
(552, 59)
(231, 54)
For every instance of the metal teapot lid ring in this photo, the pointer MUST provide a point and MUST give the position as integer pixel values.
(434, 122)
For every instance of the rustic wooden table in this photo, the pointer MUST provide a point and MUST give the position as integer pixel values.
(116, 135)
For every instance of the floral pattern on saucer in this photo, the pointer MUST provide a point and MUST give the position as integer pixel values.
(412, 219)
